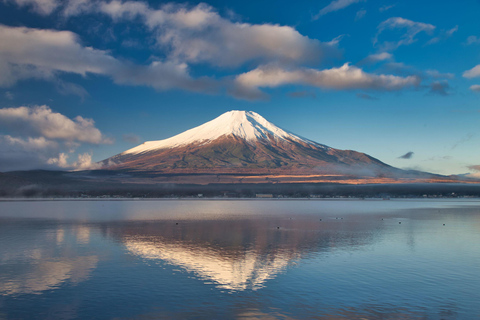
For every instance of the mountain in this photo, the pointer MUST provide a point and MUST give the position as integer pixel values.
(243, 142)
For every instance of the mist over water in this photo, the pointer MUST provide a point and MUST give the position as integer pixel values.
(410, 259)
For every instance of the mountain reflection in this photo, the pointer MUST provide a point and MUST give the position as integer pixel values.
(239, 254)
(43, 258)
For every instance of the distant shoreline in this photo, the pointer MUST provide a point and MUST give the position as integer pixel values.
(473, 199)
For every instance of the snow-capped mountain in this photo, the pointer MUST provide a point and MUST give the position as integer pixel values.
(245, 125)
(240, 142)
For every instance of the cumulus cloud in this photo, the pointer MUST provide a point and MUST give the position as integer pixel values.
(335, 6)
(42, 121)
(475, 88)
(44, 139)
(411, 29)
(407, 155)
(199, 34)
(346, 77)
(34, 53)
(472, 73)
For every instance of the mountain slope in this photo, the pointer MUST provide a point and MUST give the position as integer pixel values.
(242, 142)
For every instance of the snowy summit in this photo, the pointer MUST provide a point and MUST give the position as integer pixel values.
(247, 125)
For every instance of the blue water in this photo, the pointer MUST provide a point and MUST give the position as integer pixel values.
(245, 259)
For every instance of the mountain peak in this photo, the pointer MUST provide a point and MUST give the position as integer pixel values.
(246, 125)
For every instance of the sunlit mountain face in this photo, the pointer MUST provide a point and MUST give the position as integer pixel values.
(243, 147)
(242, 142)
(237, 254)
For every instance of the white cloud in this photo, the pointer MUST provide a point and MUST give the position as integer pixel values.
(475, 88)
(411, 28)
(37, 53)
(377, 57)
(346, 77)
(83, 162)
(34, 53)
(42, 121)
(472, 73)
(61, 161)
(335, 6)
(199, 34)
(76, 7)
(43, 7)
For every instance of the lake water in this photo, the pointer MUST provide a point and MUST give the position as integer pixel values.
(245, 259)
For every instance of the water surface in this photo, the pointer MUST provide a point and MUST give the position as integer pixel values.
(270, 259)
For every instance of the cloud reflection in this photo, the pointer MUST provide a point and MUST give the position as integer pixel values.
(44, 259)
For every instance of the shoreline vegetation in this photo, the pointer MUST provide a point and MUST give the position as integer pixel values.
(249, 192)
(473, 199)
(93, 185)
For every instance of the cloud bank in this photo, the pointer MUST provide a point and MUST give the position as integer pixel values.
(41, 135)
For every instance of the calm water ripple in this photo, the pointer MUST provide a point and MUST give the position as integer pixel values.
(410, 259)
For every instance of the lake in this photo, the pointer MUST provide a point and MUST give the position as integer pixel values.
(240, 259)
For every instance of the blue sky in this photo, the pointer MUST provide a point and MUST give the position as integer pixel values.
(82, 80)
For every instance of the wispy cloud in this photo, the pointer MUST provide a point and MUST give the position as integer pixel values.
(411, 29)
(444, 34)
(335, 6)
(473, 40)
(366, 96)
(386, 7)
(131, 138)
(302, 94)
(42, 7)
(466, 138)
(360, 14)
